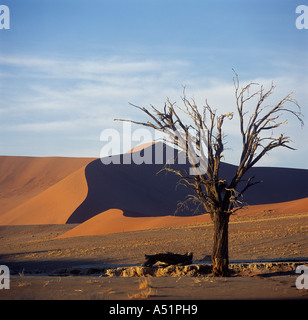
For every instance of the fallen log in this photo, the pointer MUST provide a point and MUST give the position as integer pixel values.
(168, 258)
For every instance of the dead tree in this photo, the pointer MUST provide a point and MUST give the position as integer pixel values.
(202, 137)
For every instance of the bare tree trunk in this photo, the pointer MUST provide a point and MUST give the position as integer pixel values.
(220, 256)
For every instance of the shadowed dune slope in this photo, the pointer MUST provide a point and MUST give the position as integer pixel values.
(73, 190)
(115, 221)
(139, 191)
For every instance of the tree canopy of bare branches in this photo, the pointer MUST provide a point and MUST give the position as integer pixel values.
(199, 133)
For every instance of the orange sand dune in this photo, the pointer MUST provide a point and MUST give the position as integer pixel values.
(74, 190)
(141, 147)
(41, 190)
(289, 207)
(53, 206)
(140, 191)
(114, 220)
(22, 178)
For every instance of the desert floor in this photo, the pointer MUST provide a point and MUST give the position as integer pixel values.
(33, 253)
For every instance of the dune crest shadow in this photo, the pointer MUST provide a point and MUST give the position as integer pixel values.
(140, 191)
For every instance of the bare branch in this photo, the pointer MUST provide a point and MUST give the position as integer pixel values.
(205, 128)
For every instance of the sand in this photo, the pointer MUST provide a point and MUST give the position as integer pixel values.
(36, 254)
(54, 205)
(115, 221)
(75, 190)
(167, 288)
(119, 213)
(22, 178)
(40, 190)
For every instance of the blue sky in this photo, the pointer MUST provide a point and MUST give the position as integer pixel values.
(68, 68)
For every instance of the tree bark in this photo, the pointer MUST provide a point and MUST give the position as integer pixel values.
(220, 255)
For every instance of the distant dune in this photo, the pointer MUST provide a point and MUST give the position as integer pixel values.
(115, 221)
(139, 191)
(37, 190)
(52, 206)
(288, 207)
(74, 190)
(141, 147)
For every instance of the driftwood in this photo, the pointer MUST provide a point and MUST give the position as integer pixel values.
(168, 258)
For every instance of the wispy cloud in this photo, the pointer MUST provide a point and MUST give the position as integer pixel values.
(79, 98)
(96, 69)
